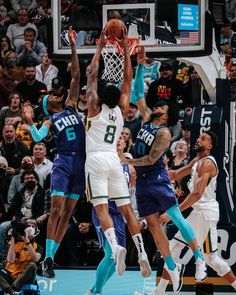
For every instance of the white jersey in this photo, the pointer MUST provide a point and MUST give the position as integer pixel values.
(207, 203)
(103, 130)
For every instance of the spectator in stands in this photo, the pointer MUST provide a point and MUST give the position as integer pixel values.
(50, 143)
(15, 32)
(232, 76)
(32, 50)
(79, 230)
(129, 145)
(185, 136)
(22, 256)
(12, 114)
(16, 185)
(42, 165)
(227, 52)
(3, 10)
(11, 75)
(165, 88)
(132, 121)
(228, 37)
(13, 150)
(3, 185)
(30, 202)
(39, 17)
(3, 14)
(16, 5)
(5, 46)
(46, 71)
(31, 89)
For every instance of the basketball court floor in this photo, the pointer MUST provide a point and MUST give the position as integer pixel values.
(77, 282)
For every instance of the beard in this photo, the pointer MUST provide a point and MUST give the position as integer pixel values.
(198, 149)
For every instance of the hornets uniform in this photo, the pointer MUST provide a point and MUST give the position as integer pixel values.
(154, 191)
(67, 176)
(104, 174)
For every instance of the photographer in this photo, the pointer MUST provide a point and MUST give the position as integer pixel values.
(22, 256)
(30, 202)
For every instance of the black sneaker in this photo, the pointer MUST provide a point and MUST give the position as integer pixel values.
(46, 268)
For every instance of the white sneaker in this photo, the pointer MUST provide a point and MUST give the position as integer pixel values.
(145, 268)
(201, 270)
(120, 253)
(177, 276)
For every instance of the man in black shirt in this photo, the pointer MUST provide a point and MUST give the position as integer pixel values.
(31, 89)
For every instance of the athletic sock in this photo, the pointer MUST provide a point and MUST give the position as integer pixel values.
(138, 241)
(49, 244)
(170, 262)
(197, 254)
(111, 238)
(162, 284)
(234, 284)
(55, 246)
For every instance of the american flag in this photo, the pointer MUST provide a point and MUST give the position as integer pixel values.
(188, 37)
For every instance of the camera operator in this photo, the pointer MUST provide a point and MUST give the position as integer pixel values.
(22, 256)
(30, 202)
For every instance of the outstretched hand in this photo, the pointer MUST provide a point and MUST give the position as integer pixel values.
(123, 41)
(102, 41)
(71, 36)
(27, 113)
(141, 56)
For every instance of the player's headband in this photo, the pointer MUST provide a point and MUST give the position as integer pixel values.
(44, 105)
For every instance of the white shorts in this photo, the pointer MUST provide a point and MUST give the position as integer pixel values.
(106, 179)
(205, 231)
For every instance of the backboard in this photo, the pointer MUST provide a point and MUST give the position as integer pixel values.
(165, 27)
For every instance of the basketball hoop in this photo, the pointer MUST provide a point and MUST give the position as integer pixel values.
(113, 57)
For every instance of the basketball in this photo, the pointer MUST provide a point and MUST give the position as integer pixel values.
(113, 29)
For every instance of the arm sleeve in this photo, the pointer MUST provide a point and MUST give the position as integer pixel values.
(38, 134)
(138, 82)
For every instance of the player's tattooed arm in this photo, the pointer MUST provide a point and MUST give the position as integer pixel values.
(160, 144)
(75, 72)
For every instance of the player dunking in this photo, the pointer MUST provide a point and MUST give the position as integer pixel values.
(205, 214)
(67, 176)
(103, 169)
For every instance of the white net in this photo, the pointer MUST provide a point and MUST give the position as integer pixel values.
(113, 57)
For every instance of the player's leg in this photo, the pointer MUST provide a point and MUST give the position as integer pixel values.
(105, 270)
(118, 191)
(175, 270)
(220, 266)
(97, 175)
(189, 236)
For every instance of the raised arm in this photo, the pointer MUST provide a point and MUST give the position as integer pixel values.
(92, 79)
(127, 77)
(160, 144)
(75, 72)
(139, 84)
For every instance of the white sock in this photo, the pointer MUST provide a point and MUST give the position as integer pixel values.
(138, 241)
(111, 238)
(162, 284)
(234, 284)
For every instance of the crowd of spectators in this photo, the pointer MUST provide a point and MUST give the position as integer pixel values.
(26, 75)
